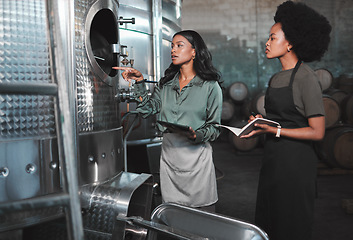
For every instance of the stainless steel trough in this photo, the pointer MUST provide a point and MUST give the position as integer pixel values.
(172, 221)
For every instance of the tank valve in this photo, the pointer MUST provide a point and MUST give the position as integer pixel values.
(125, 95)
(124, 54)
(4, 172)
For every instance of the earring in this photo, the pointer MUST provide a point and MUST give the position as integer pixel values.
(193, 57)
(288, 49)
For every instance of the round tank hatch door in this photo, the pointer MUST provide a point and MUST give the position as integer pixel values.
(102, 39)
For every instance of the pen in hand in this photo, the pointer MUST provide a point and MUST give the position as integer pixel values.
(255, 115)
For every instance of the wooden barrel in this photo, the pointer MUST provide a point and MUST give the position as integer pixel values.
(336, 94)
(258, 104)
(347, 109)
(241, 144)
(332, 111)
(337, 147)
(345, 83)
(228, 110)
(238, 91)
(246, 109)
(325, 78)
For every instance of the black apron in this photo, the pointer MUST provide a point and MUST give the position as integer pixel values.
(286, 191)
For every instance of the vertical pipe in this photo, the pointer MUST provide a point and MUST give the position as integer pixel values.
(61, 31)
(258, 45)
(126, 136)
(157, 37)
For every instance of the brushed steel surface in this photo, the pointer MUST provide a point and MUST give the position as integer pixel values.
(19, 183)
(101, 155)
(126, 194)
(142, 15)
(205, 224)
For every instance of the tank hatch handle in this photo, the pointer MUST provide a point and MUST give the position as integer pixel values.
(126, 20)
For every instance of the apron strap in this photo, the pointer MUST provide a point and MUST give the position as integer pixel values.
(294, 72)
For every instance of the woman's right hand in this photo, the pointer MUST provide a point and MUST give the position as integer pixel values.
(130, 74)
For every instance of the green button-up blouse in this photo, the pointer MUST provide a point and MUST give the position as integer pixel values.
(198, 104)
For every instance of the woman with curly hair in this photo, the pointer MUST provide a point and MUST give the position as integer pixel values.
(188, 94)
(286, 191)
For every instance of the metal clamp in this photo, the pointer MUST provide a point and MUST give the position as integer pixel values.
(124, 95)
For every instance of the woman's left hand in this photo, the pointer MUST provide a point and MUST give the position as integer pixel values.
(260, 129)
(189, 134)
(314, 132)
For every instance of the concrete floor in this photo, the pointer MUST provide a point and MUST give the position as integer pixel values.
(237, 174)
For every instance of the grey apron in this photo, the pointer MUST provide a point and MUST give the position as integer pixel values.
(187, 173)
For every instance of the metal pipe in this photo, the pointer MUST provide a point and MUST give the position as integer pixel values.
(28, 88)
(62, 33)
(47, 201)
(127, 135)
(157, 37)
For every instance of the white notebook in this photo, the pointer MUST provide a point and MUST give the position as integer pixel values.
(250, 126)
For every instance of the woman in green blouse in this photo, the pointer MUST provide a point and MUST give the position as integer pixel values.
(189, 94)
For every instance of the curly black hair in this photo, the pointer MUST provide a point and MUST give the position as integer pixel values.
(202, 62)
(307, 30)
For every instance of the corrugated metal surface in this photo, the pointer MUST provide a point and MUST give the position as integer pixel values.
(24, 57)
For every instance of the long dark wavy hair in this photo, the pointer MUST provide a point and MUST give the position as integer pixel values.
(202, 62)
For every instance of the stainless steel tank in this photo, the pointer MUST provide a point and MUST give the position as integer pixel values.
(27, 121)
(149, 45)
(106, 33)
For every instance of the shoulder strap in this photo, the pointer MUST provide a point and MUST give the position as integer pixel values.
(294, 72)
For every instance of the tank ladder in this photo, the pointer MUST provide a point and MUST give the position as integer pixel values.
(63, 72)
